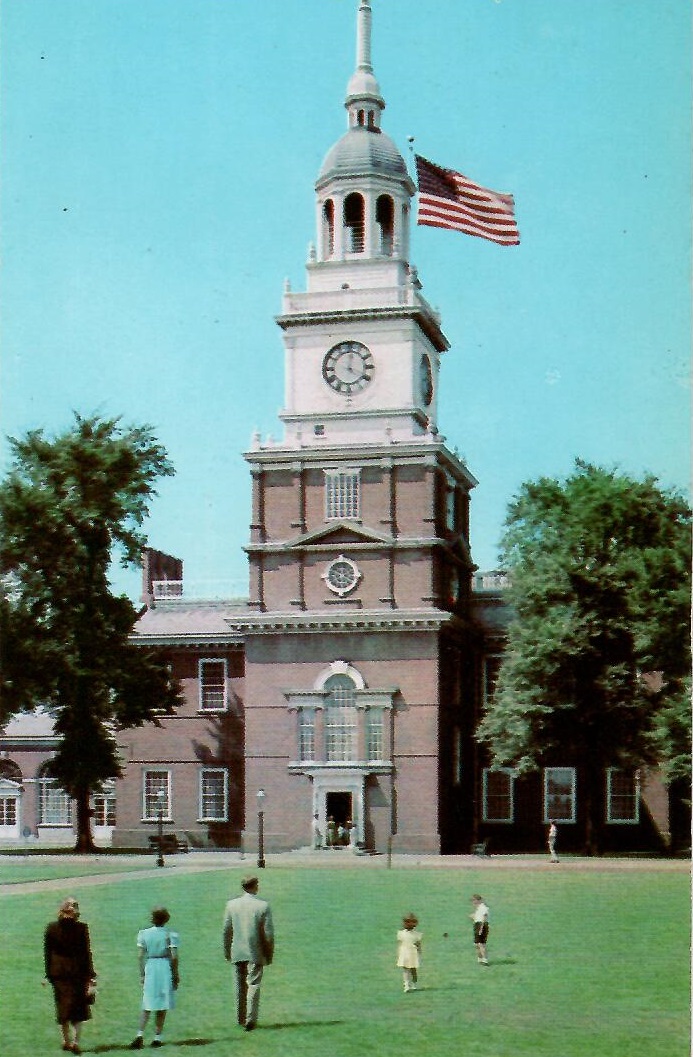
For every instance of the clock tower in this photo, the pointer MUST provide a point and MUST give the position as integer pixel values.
(363, 347)
(359, 645)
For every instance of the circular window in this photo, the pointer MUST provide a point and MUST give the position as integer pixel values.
(341, 576)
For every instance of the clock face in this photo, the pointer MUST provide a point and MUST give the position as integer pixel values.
(348, 367)
(426, 380)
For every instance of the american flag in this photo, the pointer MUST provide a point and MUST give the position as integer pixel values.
(447, 199)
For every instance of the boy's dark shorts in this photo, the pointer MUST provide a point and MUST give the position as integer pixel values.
(480, 932)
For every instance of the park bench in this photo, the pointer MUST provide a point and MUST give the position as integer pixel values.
(170, 844)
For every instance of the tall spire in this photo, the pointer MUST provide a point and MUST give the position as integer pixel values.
(363, 37)
(363, 91)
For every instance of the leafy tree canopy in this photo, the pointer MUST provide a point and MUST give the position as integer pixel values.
(600, 587)
(66, 506)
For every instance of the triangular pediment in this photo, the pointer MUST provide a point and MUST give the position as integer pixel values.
(339, 532)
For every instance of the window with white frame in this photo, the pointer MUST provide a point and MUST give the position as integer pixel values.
(156, 795)
(622, 796)
(8, 811)
(375, 734)
(214, 784)
(55, 806)
(212, 685)
(340, 719)
(104, 805)
(306, 734)
(498, 795)
(342, 494)
(559, 794)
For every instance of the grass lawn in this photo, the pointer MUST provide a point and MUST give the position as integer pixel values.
(582, 964)
(16, 870)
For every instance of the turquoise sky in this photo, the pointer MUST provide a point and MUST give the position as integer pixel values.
(158, 166)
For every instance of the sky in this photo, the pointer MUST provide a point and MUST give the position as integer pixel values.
(159, 160)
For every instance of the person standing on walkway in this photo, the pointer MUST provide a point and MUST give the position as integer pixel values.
(248, 935)
(479, 916)
(70, 971)
(409, 951)
(157, 950)
(552, 839)
(317, 835)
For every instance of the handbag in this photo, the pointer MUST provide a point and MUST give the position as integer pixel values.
(91, 993)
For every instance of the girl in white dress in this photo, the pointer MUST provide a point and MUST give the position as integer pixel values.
(157, 949)
(409, 951)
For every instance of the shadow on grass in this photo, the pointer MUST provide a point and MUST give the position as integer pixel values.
(126, 1046)
(300, 1024)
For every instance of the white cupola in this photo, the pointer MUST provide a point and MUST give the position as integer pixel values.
(364, 190)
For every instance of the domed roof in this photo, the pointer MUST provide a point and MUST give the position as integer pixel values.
(361, 151)
(363, 85)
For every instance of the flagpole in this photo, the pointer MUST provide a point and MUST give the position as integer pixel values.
(410, 141)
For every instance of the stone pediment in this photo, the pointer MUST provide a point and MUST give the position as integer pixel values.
(8, 787)
(339, 533)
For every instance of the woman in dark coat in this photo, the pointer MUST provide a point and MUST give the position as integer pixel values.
(70, 970)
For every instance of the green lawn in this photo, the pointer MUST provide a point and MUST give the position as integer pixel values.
(583, 964)
(16, 870)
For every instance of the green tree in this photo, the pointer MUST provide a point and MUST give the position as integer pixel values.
(600, 591)
(67, 506)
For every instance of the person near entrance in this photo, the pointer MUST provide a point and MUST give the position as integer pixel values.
(317, 835)
(331, 832)
(248, 935)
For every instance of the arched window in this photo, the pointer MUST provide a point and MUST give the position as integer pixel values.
(328, 228)
(341, 722)
(360, 118)
(385, 219)
(354, 213)
(11, 770)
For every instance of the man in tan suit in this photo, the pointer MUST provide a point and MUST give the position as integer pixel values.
(249, 944)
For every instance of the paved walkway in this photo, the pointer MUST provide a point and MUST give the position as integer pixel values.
(202, 862)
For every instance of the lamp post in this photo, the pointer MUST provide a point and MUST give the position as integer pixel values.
(160, 800)
(261, 794)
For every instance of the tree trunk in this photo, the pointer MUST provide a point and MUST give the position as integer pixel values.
(85, 841)
(592, 818)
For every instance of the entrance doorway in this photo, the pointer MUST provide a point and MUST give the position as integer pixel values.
(337, 813)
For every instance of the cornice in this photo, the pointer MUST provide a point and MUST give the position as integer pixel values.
(42, 741)
(395, 543)
(335, 316)
(345, 622)
(194, 640)
(429, 451)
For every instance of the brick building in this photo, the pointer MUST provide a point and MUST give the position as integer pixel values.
(349, 682)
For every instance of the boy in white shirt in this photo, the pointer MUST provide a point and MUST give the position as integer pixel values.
(479, 918)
